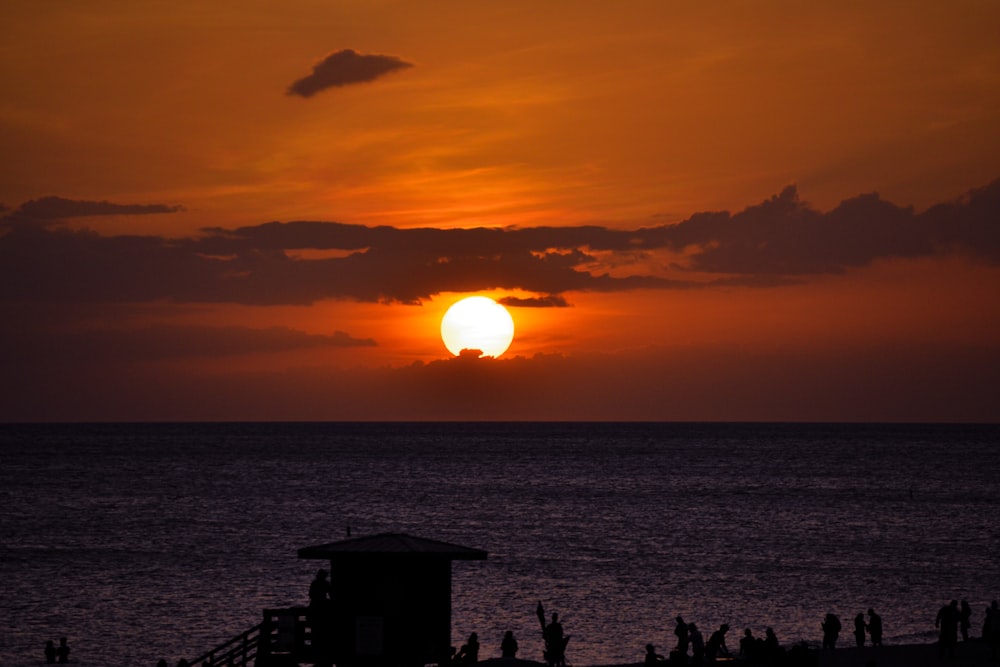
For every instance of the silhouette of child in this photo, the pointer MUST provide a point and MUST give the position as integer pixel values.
(62, 653)
(508, 646)
(50, 652)
(652, 657)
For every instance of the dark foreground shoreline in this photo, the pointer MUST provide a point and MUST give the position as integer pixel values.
(968, 654)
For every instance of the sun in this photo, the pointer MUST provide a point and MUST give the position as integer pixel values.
(477, 323)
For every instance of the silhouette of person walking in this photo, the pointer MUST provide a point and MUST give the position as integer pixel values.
(555, 640)
(875, 627)
(859, 630)
(508, 646)
(831, 630)
(62, 653)
(947, 622)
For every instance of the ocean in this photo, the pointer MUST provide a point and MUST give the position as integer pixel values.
(146, 541)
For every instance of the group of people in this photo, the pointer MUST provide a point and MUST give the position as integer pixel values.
(952, 619)
(831, 627)
(688, 635)
(58, 654)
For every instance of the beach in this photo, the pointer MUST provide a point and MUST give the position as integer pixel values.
(968, 654)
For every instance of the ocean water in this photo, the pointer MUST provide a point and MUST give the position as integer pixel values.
(146, 541)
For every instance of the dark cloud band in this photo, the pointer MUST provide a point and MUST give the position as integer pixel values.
(779, 241)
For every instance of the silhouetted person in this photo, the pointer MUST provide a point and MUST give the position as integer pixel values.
(831, 630)
(472, 656)
(993, 631)
(965, 620)
(748, 646)
(469, 655)
(162, 663)
(773, 652)
(62, 653)
(555, 640)
(508, 645)
(50, 652)
(717, 644)
(683, 638)
(859, 630)
(875, 627)
(697, 644)
(652, 658)
(319, 593)
(182, 663)
(947, 622)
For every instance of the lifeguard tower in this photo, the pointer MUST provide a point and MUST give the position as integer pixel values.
(390, 607)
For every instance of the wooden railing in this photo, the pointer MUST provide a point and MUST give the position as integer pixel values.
(283, 636)
(239, 651)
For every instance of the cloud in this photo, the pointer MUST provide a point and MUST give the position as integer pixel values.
(343, 68)
(550, 301)
(58, 208)
(779, 241)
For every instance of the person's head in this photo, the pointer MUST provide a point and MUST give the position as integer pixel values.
(954, 603)
(870, 611)
(62, 640)
(473, 637)
(680, 620)
(692, 626)
(724, 628)
(650, 648)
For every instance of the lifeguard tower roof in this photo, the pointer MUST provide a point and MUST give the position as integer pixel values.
(388, 544)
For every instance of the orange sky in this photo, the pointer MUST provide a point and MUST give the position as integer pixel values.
(674, 198)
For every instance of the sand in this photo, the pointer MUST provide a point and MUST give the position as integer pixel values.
(968, 654)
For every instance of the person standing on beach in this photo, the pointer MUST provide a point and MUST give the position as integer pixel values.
(965, 620)
(875, 627)
(947, 622)
(697, 645)
(859, 630)
(992, 628)
(508, 646)
(831, 630)
(555, 640)
(681, 630)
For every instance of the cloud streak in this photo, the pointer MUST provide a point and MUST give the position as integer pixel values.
(51, 209)
(344, 68)
(778, 241)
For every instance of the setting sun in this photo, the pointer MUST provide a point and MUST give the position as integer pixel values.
(477, 323)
